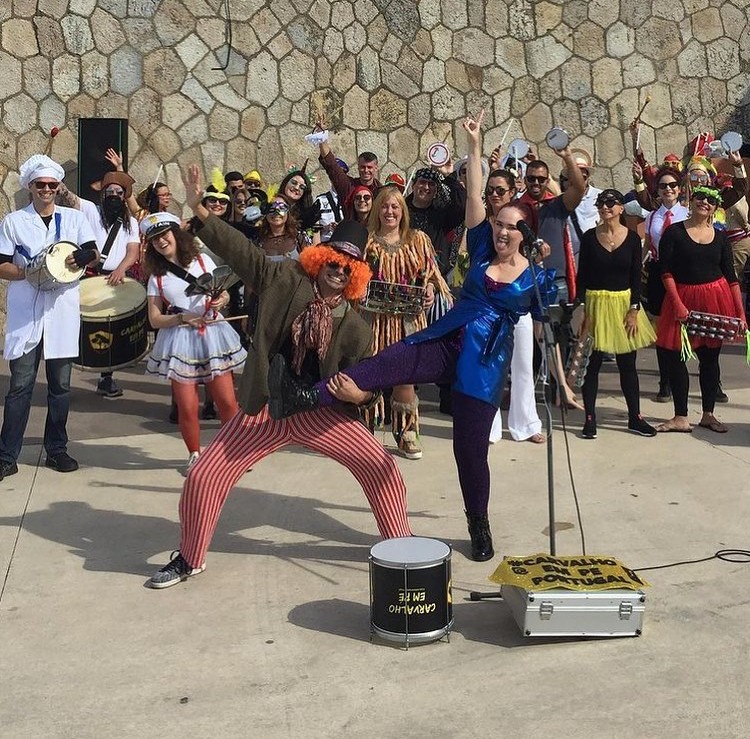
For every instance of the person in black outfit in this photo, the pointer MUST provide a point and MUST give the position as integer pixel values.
(609, 283)
(698, 275)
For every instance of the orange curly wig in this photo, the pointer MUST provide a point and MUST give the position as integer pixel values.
(314, 258)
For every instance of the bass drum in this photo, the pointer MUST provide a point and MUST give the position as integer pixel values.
(114, 333)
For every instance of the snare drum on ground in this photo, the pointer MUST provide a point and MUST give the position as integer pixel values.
(48, 270)
(114, 332)
(410, 590)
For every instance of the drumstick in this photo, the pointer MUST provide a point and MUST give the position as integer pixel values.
(505, 135)
(158, 174)
(215, 320)
(408, 181)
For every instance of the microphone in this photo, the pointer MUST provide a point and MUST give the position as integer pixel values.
(532, 244)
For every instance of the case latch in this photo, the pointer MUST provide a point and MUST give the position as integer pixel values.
(626, 610)
(545, 610)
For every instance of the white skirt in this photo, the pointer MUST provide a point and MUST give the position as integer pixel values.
(191, 355)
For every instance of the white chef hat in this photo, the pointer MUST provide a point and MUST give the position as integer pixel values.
(39, 165)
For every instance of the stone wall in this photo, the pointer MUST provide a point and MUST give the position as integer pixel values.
(393, 75)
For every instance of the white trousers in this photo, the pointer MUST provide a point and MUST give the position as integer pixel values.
(523, 419)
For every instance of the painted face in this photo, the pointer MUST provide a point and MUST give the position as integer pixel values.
(368, 171)
(390, 213)
(114, 191)
(295, 188)
(506, 236)
(536, 182)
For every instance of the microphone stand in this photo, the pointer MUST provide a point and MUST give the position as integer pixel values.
(549, 346)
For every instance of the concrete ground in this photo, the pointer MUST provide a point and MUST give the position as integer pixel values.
(273, 639)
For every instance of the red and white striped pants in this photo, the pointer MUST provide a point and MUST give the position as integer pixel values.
(245, 440)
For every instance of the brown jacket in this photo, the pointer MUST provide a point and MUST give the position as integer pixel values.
(284, 291)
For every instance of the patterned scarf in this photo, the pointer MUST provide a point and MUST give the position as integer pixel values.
(313, 328)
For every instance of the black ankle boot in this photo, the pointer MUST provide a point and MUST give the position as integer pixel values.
(481, 537)
(286, 394)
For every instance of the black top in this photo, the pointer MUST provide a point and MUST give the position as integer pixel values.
(600, 269)
(691, 263)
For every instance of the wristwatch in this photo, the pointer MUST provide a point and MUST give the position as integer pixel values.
(635, 306)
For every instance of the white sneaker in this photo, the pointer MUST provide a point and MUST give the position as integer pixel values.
(192, 459)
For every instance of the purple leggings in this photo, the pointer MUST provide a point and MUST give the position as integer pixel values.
(435, 362)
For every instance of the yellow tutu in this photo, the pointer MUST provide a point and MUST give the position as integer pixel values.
(606, 312)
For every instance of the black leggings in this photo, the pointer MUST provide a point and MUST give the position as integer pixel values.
(708, 376)
(628, 382)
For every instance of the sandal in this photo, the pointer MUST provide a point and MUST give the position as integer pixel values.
(537, 438)
(713, 424)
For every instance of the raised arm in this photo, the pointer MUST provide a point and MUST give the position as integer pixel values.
(475, 210)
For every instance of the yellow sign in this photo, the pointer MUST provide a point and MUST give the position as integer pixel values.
(578, 572)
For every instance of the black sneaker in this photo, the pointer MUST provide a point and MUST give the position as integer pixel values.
(721, 396)
(108, 388)
(638, 426)
(178, 570)
(589, 428)
(7, 469)
(663, 396)
(62, 462)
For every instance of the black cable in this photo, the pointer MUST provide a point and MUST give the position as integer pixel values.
(227, 36)
(572, 479)
(725, 555)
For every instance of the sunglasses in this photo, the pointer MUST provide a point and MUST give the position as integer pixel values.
(214, 201)
(301, 186)
(47, 185)
(362, 198)
(608, 203)
(536, 180)
(496, 190)
(670, 185)
(710, 199)
(337, 265)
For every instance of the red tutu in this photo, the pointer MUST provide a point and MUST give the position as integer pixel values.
(710, 297)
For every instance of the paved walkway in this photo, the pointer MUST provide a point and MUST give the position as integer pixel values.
(273, 639)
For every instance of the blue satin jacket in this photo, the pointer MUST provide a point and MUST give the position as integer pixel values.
(487, 318)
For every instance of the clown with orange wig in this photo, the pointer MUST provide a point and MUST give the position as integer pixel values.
(306, 321)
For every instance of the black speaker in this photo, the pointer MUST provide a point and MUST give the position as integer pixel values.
(95, 136)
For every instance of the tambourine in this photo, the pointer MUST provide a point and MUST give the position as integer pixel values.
(731, 141)
(557, 138)
(518, 149)
(438, 154)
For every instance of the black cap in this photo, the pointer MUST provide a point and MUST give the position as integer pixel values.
(350, 238)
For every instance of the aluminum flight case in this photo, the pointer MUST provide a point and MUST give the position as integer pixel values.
(561, 612)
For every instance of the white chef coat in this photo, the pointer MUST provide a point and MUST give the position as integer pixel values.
(32, 313)
(173, 288)
(587, 214)
(123, 238)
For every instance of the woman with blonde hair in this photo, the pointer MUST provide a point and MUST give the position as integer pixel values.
(406, 278)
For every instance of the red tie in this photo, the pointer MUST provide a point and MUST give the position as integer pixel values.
(667, 223)
(570, 264)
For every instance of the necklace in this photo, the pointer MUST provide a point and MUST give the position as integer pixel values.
(607, 237)
(387, 245)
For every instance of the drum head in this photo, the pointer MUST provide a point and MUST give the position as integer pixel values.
(100, 300)
(518, 149)
(731, 141)
(55, 262)
(557, 138)
(409, 551)
(438, 154)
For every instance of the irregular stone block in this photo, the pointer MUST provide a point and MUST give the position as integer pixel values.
(365, 11)
(634, 12)
(429, 13)
(707, 25)
(448, 104)
(297, 73)
(145, 111)
(191, 50)
(496, 18)
(280, 46)
(637, 71)
(509, 55)
(401, 16)
(543, 55)
(713, 95)
(501, 107)
(109, 34)
(377, 33)
(588, 41)
(355, 38)
(320, 13)
(396, 81)
(164, 71)
(112, 105)
(420, 112)
(37, 76)
(671, 10)
(165, 143)
(195, 131)
(658, 113)
(691, 61)
(521, 20)
(323, 72)
(66, 76)
(607, 77)
(118, 8)
(624, 107)
(306, 35)
(550, 86)
(52, 113)
(473, 46)
(143, 8)
(455, 14)
(723, 56)
(194, 91)
(594, 116)
(19, 37)
(95, 74)
(565, 115)
(403, 147)
(574, 12)
(525, 95)
(139, 33)
(604, 12)
(368, 69)
(126, 71)
(387, 111)
(342, 14)
(284, 12)
(620, 40)
(177, 109)
(495, 79)
(262, 79)
(225, 94)
(391, 48)
(658, 39)
(609, 147)
(252, 122)
(266, 25)
(19, 113)
(223, 123)
(423, 45)
(356, 108)
(333, 45)
(442, 41)
(345, 73)
(279, 111)
(575, 79)
(77, 34)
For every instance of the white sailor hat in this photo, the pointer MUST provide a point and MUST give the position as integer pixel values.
(156, 223)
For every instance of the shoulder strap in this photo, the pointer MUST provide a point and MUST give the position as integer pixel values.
(180, 272)
(114, 229)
